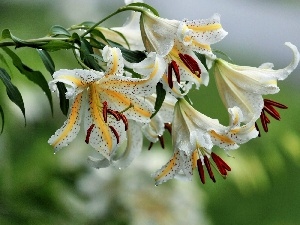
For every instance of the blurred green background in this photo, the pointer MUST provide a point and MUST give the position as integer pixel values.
(38, 187)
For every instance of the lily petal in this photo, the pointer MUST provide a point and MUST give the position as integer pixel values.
(243, 86)
(157, 33)
(77, 79)
(71, 127)
(114, 59)
(133, 148)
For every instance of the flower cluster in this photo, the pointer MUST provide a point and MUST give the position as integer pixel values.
(122, 100)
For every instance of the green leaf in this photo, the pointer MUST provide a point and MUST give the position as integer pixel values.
(63, 101)
(161, 94)
(130, 56)
(145, 6)
(97, 33)
(86, 54)
(3, 60)
(47, 60)
(2, 119)
(12, 92)
(56, 45)
(34, 76)
(49, 64)
(5, 34)
(19, 42)
(59, 30)
(202, 59)
(95, 43)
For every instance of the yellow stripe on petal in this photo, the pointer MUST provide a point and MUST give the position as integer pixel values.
(98, 116)
(123, 101)
(199, 45)
(205, 28)
(221, 138)
(74, 80)
(70, 128)
(170, 169)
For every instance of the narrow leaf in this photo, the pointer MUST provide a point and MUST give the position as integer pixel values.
(47, 60)
(34, 76)
(56, 45)
(3, 60)
(12, 92)
(130, 56)
(2, 119)
(63, 101)
(161, 94)
(59, 30)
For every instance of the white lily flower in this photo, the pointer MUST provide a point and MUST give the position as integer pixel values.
(177, 41)
(194, 135)
(107, 101)
(243, 86)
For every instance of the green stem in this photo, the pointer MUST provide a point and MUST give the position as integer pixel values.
(79, 61)
(6, 44)
(122, 9)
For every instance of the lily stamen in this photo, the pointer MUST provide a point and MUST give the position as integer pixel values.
(88, 133)
(114, 114)
(269, 108)
(104, 111)
(191, 64)
(173, 67)
(168, 127)
(162, 142)
(124, 119)
(115, 133)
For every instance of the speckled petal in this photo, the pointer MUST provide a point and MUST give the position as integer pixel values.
(114, 59)
(71, 127)
(77, 79)
(102, 137)
(205, 32)
(168, 171)
(158, 34)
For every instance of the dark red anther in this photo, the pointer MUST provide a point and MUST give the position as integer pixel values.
(170, 81)
(191, 63)
(201, 171)
(256, 126)
(105, 111)
(209, 170)
(162, 142)
(276, 104)
(221, 164)
(168, 127)
(88, 133)
(264, 120)
(150, 146)
(114, 113)
(269, 107)
(124, 119)
(176, 71)
(173, 67)
(115, 133)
